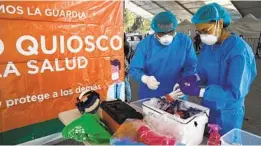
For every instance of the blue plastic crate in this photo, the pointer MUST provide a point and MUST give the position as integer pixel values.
(240, 137)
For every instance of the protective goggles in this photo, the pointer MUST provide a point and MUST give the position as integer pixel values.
(208, 30)
(161, 34)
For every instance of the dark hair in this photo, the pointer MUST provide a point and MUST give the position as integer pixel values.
(116, 62)
(126, 46)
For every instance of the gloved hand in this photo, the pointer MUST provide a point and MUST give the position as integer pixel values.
(150, 81)
(188, 85)
(191, 78)
(175, 94)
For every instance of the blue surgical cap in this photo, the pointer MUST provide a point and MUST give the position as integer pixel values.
(164, 22)
(211, 12)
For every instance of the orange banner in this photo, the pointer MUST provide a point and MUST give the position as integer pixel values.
(52, 51)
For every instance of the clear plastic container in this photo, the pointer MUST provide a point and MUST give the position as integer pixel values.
(240, 137)
(137, 105)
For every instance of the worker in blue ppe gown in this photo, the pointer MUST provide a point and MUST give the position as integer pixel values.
(226, 66)
(162, 58)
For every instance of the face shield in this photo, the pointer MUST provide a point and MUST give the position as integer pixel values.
(209, 32)
(210, 21)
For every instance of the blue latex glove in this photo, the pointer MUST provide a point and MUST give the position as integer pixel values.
(188, 85)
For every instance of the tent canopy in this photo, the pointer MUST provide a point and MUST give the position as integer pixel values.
(186, 9)
(248, 26)
(245, 14)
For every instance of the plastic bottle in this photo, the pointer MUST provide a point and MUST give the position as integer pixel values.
(214, 138)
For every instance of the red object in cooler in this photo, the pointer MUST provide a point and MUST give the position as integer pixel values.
(150, 137)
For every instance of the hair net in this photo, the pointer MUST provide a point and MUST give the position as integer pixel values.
(164, 22)
(211, 12)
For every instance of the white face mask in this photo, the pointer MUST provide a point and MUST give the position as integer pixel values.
(208, 39)
(115, 76)
(166, 39)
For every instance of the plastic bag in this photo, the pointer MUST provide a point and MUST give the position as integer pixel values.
(87, 128)
(164, 125)
(132, 131)
(150, 137)
(128, 130)
(127, 133)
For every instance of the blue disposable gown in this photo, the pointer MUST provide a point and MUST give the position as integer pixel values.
(166, 63)
(228, 69)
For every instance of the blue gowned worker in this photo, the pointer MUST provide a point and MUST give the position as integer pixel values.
(161, 59)
(226, 66)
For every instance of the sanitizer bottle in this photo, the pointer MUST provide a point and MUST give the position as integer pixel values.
(214, 138)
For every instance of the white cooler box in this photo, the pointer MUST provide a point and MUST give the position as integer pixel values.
(191, 129)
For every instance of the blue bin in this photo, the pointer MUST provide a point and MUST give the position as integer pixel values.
(240, 137)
